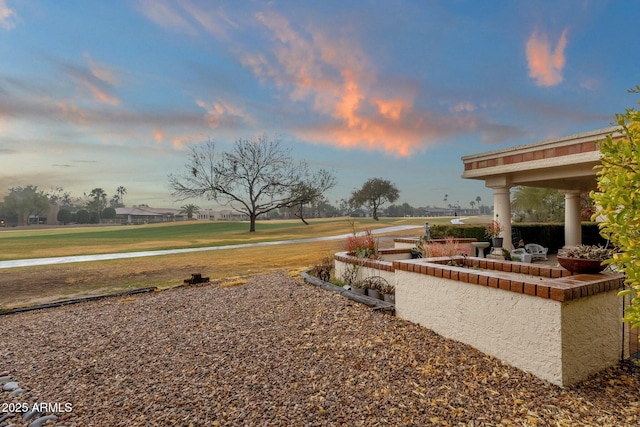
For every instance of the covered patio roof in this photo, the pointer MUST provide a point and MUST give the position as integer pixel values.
(566, 164)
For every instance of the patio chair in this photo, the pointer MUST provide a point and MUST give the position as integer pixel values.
(515, 237)
(521, 255)
(536, 251)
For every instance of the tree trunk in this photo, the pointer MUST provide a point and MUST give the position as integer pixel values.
(252, 220)
(299, 215)
(375, 215)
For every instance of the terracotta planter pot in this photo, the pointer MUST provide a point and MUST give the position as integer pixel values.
(581, 266)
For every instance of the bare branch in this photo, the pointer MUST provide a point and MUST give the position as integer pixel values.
(256, 177)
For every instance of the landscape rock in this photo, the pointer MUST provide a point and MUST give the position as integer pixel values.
(276, 351)
(34, 413)
(7, 416)
(41, 421)
(17, 392)
(10, 386)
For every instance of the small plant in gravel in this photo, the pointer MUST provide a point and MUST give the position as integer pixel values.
(323, 269)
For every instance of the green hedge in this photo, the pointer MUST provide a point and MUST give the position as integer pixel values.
(549, 235)
(444, 231)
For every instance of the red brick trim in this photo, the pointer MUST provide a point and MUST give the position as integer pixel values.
(539, 154)
(548, 282)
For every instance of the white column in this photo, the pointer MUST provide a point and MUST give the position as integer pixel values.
(572, 223)
(502, 212)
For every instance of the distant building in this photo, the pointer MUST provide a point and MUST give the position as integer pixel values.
(453, 211)
(222, 215)
(146, 215)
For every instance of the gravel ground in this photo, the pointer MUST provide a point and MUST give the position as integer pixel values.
(277, 351)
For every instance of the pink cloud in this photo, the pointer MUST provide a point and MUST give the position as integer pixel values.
(336, 76)
(96, 79)
(158, 135)
(7, 16)
(319, 70)
(72, 113)
(220, 112)
(392, 108)
(179, 142)
(164, 14)
(101, 71)
(545, 64)
(215, 22)
(188, 17)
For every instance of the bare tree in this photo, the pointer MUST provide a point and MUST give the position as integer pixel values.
(256, 177)
(311, 192)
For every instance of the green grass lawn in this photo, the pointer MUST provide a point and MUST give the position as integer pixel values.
(63, 241)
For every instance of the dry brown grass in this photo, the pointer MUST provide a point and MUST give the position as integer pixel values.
(30, 285)
(35, 285)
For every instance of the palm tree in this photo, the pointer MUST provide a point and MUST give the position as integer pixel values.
(538, 204)
(189, 209)
(98, 201)
(472, 203)
(121, 191)
(99, 196)
(478, 200)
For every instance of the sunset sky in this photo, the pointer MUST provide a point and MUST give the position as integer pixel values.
(112, 93)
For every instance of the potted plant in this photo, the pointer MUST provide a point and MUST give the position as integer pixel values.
(584, 259)
(416, 253)
(492, 231)
(374, 286)
(358, 287)
(389, 293)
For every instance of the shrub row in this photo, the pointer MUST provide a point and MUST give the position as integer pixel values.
(549, 235)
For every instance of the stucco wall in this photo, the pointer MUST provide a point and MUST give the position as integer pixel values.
(342, 270)
(561, 342)
(522, 330)
(591, 335)
(404, 245)
(541, 319)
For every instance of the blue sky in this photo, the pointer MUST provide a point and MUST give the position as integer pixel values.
(108, 94)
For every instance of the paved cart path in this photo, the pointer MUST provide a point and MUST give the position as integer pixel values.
(102, 257)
